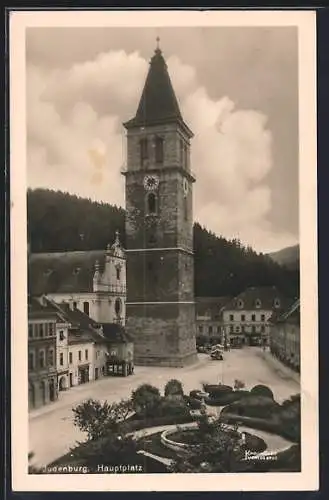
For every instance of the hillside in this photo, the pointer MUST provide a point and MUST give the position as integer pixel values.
(61, 222)
(288, 257)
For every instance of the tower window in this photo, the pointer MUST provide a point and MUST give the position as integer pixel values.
(86, 308)
(159, 150)
(117, 307)
(143, 150)
(118, 271)
(185, 209)
(151, 203)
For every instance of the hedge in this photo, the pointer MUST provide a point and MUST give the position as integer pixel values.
(132, 425)
(254, 406)
(226, 398)
(218, 389)
(269, 425)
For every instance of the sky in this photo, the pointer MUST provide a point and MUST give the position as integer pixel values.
(238, 92)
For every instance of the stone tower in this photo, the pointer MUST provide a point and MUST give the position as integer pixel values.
(159, 226)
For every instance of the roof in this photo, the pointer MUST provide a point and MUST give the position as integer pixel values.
(210, 305)
(158, 103)
(248, 299)
(36, 310)
(63, 272)
(114, 332)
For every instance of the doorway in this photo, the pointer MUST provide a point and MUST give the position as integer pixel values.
(52, 390)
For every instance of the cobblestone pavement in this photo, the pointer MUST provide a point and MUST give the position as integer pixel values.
(51, 430)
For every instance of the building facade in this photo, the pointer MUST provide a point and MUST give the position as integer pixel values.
(93, 282)
(209, 319)
(246, 317)
(285, 336)
(159, 226)
(42, 373)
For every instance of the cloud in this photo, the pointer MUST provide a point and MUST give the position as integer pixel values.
(76, 143)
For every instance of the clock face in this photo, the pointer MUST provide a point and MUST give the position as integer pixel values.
(151, 182)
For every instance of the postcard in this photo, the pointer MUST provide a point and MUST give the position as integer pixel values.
(163, 250)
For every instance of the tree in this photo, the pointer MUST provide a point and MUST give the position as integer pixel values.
(96, 418)
(146, 400)
(33, 469)
(174, 388)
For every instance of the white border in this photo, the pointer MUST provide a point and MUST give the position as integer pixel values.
(308, 479)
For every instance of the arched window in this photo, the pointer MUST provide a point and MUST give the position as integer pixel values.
(159, 150)
(240, 304)
(117, 307)
(277, 303)
(258, 303)
(151, 204)
(86, 308)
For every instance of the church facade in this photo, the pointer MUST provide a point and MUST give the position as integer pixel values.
(160, 306)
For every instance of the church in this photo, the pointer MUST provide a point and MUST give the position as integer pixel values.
(160, 307)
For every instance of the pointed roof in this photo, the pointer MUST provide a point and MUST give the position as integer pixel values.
(158, 103)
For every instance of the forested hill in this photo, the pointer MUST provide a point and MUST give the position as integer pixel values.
(62, 222)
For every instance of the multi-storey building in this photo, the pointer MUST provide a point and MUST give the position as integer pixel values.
(246, 317)
(209, 319)
(285, 336)
(42, 372)
(159, 226)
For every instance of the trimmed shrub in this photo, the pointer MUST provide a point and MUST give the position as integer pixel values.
(218, 389)
(262, 390)
(173, 388)
(269, 425)
(254, 406)
(173, 407)
(137, 424)
(194, 404)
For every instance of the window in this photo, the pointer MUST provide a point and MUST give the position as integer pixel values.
(70, 358)
(41, 330)
(200, 329)
(218, 329)
(231, 329)
(276, 303)
(86, 308)
(185, 208)
(237, 329)
(151, 204)
(61, 359)
(263, 328)
(231, 317)
(75, 305)
(42, 358)
(79, 355)
(243, 317)
(51, 327)
(86, 354)
(61, 335)
(240, 304)
(258, 303)
(118, 271)
(31, 361)
(185, 156)
(210, 329)
(30, 331)
(51, 357)
(181, 152)
(253, 317)
(159, 150)
(143, 150)
(117, 306)
(262, 317)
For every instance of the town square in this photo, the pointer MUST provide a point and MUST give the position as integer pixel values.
(163, 316)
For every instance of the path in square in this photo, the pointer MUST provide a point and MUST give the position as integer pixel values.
(51, 429)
